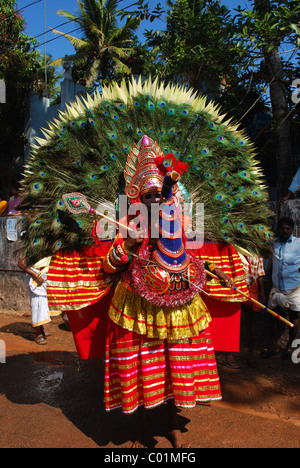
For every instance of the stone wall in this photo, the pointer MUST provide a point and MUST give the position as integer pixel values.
(14, 295)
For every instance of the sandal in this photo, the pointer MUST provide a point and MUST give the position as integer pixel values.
(40, 340)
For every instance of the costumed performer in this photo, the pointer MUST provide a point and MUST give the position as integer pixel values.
(159, 346)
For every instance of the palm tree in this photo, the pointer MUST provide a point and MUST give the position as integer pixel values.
(102, 52)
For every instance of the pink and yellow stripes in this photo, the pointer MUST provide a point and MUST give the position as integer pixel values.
(77, 280)
(142, 371)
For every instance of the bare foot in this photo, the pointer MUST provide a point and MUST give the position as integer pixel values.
(143, 439)
(178, 439)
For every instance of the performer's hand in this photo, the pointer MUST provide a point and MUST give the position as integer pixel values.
(226, 281)
(132, 243)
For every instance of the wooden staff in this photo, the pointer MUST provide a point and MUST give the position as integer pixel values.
(262, 306)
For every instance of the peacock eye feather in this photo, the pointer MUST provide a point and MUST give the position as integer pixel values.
(60, 204)
(244, 174)
(162, 103)
(112, 135)
(150, 105)
(37, 187)
(241, 227)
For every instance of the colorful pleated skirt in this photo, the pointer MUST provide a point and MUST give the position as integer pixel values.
(149, 371)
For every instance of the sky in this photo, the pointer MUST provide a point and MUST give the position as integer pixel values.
(41, 15)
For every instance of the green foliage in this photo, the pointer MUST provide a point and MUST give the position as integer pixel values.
(104, 48)
(269, 25)
(198, 43)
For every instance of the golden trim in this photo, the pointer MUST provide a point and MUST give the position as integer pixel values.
(134, 313)
(42, 322)
(86, 284)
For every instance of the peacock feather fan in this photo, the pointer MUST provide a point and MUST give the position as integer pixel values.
(85, 150)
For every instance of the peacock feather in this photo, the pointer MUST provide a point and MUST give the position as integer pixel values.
(85, 150)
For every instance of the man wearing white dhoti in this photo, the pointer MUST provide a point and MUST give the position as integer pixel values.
(285, 292)
(36, 280)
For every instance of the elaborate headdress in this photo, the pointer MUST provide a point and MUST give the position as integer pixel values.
(141, 172)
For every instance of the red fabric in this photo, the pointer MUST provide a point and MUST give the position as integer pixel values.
(77, 280)
(89, 324)
(145, 371)
(89, 327)
(225, 325)
(223, 304)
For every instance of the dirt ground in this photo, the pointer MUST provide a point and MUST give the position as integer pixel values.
(50, 398)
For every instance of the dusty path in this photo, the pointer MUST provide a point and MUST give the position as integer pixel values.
(50, 398)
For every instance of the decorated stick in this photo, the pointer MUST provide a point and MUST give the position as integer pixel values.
(262, 306)
(77, 203)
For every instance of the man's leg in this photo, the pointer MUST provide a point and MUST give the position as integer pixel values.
(176, 435)
(294, 318)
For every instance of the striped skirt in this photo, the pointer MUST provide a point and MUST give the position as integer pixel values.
(142, 371)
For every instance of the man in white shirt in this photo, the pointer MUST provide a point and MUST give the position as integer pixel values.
(285, 292)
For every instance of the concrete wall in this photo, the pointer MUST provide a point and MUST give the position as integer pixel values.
(14, 295)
